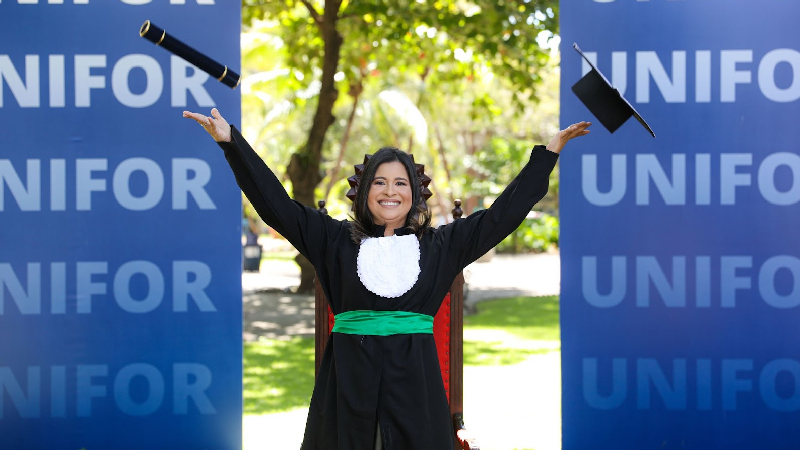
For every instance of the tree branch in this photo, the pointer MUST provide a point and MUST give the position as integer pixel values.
(314, 13)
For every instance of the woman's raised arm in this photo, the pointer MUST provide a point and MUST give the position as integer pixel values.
(304, 227)
(478, 233)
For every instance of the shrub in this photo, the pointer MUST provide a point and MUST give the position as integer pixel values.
(536, 234)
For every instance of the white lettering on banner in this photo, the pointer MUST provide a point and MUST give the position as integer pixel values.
(735, 71)
(90, 78)
(27, 93)
(190, 279)
(50, 2)
(57, 83)
(171, 2)
(724, 380)
(28, 387)
(186, 78)
(671, 184)
(646, 1)
(155, 184)
(766, 75)
(129, 2)
(673, 290)
(672, 88)
(85, 81)
(188, 177)
(119, 81)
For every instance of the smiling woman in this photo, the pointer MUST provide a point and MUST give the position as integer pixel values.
(385, 275)
(390, 197)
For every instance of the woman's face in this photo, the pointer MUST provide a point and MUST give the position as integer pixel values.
(390, 196)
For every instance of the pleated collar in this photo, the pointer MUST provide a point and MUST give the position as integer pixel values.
(389, 265)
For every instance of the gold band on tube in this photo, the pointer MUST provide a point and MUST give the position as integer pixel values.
(145, 28)
(223, 74)
(163, 35)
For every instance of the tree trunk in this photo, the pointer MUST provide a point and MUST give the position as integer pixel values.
(471, 201)
(355, 91)
(443, 155)
(304, 167)
(446, 211)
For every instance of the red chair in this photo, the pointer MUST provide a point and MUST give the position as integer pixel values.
(448, 327)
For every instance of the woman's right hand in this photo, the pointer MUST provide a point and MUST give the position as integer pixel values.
(216, 125)
(562, 137)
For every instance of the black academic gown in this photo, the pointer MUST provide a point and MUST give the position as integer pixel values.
(394, 380)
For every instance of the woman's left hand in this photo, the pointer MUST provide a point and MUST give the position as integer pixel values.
(562, 137)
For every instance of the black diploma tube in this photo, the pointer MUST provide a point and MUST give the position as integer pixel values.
(160, 37)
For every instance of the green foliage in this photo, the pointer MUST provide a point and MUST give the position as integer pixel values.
(296, 28)
(439, 79)
(278, 375)
(500, 34)
(496, 164)
(534, 235)
(449, 40)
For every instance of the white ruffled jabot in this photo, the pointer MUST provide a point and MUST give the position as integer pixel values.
(389, 266)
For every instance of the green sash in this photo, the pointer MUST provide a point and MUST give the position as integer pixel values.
(382, 323)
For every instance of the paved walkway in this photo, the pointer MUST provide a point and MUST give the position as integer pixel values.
(272, 311)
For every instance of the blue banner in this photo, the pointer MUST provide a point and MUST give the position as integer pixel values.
(120, 251)
(680, 297)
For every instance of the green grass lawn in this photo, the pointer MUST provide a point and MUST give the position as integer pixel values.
(531, 318)
(279, 375)
(508, 331)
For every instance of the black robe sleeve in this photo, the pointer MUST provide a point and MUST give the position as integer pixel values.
(305, 228)
(472, 237)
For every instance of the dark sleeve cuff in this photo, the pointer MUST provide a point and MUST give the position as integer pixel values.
(543, 148)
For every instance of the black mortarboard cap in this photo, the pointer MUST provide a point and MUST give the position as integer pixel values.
(603, 100)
